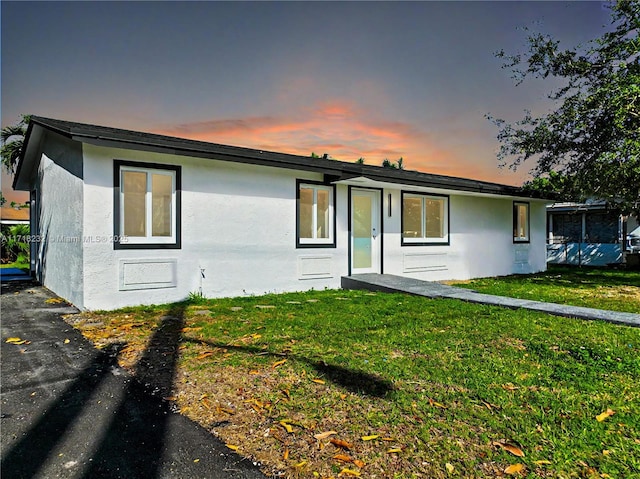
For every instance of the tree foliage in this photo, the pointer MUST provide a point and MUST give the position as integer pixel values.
(12, 138)
(555, 186)
(14, 246)
(593, 135)
(398, 165)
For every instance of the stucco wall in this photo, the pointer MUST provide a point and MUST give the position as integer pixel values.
(59, 204)
(481, 242)
(238, 225)
(239, 231)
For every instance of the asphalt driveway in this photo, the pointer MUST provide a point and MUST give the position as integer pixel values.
(68, 410)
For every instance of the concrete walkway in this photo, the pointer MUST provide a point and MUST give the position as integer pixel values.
(429, 289)
(69, 411)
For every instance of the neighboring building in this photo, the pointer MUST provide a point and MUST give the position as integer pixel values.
(14, 216)
(590, 234)
(127, 218)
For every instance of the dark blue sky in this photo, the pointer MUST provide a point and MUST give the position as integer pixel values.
(371, 79)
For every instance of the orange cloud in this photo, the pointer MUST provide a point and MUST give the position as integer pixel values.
(347, 133)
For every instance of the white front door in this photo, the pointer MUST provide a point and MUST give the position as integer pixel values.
(366, 237)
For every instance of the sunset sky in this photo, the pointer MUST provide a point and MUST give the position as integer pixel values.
(359, 79)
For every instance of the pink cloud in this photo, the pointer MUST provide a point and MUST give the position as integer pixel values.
(345, 132)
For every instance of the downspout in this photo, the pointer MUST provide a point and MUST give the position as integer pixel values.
(201, 278)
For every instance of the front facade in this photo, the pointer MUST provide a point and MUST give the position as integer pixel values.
(124, 218)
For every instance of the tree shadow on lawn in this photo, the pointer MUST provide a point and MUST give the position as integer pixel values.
(358, 382)
(140, 423)
(133, 443)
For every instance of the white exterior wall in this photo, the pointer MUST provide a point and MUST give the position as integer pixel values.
(58, 261)
(238, 225)
(480, 241)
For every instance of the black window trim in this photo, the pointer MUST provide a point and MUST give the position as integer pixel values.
(117, 164)
(515, 219)
(424, 243)
(314, 245)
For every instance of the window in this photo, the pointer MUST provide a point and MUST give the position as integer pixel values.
(147, 205)
(316, 217)
(425, 219)
(521, 222)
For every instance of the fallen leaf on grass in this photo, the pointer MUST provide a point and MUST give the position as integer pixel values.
(489, 406)
(206, 354)
(436, 404)
(287, 426)
(514, 469)
(300, 464)
(394, 450)
(278, 363)
(509, 387)
(232, 447)
(449, 467)
(370, 438)
(340, 443)
(608, 413)
(349, 472)
(516, 451)
(189, 329)
(343, 458)
(324, 435)
(318, 381)
(541, 462)
(285, 456)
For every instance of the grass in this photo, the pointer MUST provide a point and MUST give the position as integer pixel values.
(614, 289)
(23, 266)
(446, 387)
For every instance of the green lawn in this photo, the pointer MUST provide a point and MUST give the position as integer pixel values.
(446, 387)
(23, 266)
(617, 290)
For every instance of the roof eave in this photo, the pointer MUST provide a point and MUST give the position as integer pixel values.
(114, 137)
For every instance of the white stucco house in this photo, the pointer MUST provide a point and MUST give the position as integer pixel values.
(124, 218)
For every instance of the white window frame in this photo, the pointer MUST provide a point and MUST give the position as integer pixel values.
(315, 241)
(423, 239)
(149, 238)
(517, 225)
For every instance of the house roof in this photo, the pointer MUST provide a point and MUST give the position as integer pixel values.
(573, 207)
(332, 169)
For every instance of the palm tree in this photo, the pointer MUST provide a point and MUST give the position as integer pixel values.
(12, 137)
